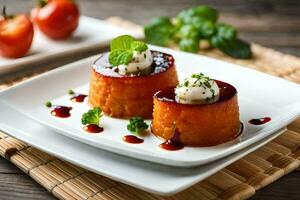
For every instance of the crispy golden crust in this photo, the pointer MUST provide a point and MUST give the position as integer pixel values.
(125, 97)
(203, 125)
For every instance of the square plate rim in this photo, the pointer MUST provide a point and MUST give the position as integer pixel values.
(13, 131)
(170, 161)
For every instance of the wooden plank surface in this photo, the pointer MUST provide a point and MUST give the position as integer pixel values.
(273, 23)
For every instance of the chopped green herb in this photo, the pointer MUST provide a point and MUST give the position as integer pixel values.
(186, 83)
(137, 125)
(48, 104)
(213, 92)
(92, 116)
(207, 84)
(70, 91)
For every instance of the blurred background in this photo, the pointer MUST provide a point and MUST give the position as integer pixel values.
(273, 23)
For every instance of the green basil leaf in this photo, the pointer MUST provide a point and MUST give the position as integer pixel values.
(188, 31)
(226, 31)
(205, 28)
(207, 13)
(234, 48)
(159, 34)
(204, 12)
(189, 45)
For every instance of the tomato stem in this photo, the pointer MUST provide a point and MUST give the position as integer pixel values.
(4, 14)
(42, 3)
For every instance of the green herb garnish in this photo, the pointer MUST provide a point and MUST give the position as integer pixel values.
(137, 125)
(122, 42)
(92, 116)
(48, 104)
(70, 92)
(120, 56)
(121, 49)
(138, 46)
(193, 25)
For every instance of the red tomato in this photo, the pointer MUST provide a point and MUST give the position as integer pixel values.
(16, 34)
(57, 19)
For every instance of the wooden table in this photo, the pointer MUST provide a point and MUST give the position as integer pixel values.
(272, 23)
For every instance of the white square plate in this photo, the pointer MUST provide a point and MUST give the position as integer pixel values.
(91, 34)
(151, 177)
(260, 95)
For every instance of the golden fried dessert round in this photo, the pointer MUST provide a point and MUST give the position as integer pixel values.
(201, 119)
(127, 95)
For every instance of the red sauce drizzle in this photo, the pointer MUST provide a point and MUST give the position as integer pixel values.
(61, 111)
(93, 128)
(241, 129)
(173, 144)
(132, 139)
(259, 121)
(78, 98)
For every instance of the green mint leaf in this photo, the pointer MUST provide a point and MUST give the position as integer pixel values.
(120, 57)
(189, 45)
(92, 116)
(138, 46)
(137, 125)
(121, 42)
(159, 31)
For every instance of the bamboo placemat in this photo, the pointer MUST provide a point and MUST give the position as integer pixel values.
(240, 180)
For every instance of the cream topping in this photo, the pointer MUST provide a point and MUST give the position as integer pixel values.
(197, 89)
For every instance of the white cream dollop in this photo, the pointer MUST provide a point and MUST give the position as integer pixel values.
(197, 89)
(141, 62)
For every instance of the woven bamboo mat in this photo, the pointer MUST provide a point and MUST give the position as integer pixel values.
(240, 180)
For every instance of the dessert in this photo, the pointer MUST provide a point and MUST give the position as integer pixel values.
(201, 111)
(124, 80)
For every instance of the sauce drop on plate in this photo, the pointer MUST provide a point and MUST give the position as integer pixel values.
(61, 111)
(170, 145)
(259, 121)
(93, 128)
(78, 98)
(132, 139)
(173, 144)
